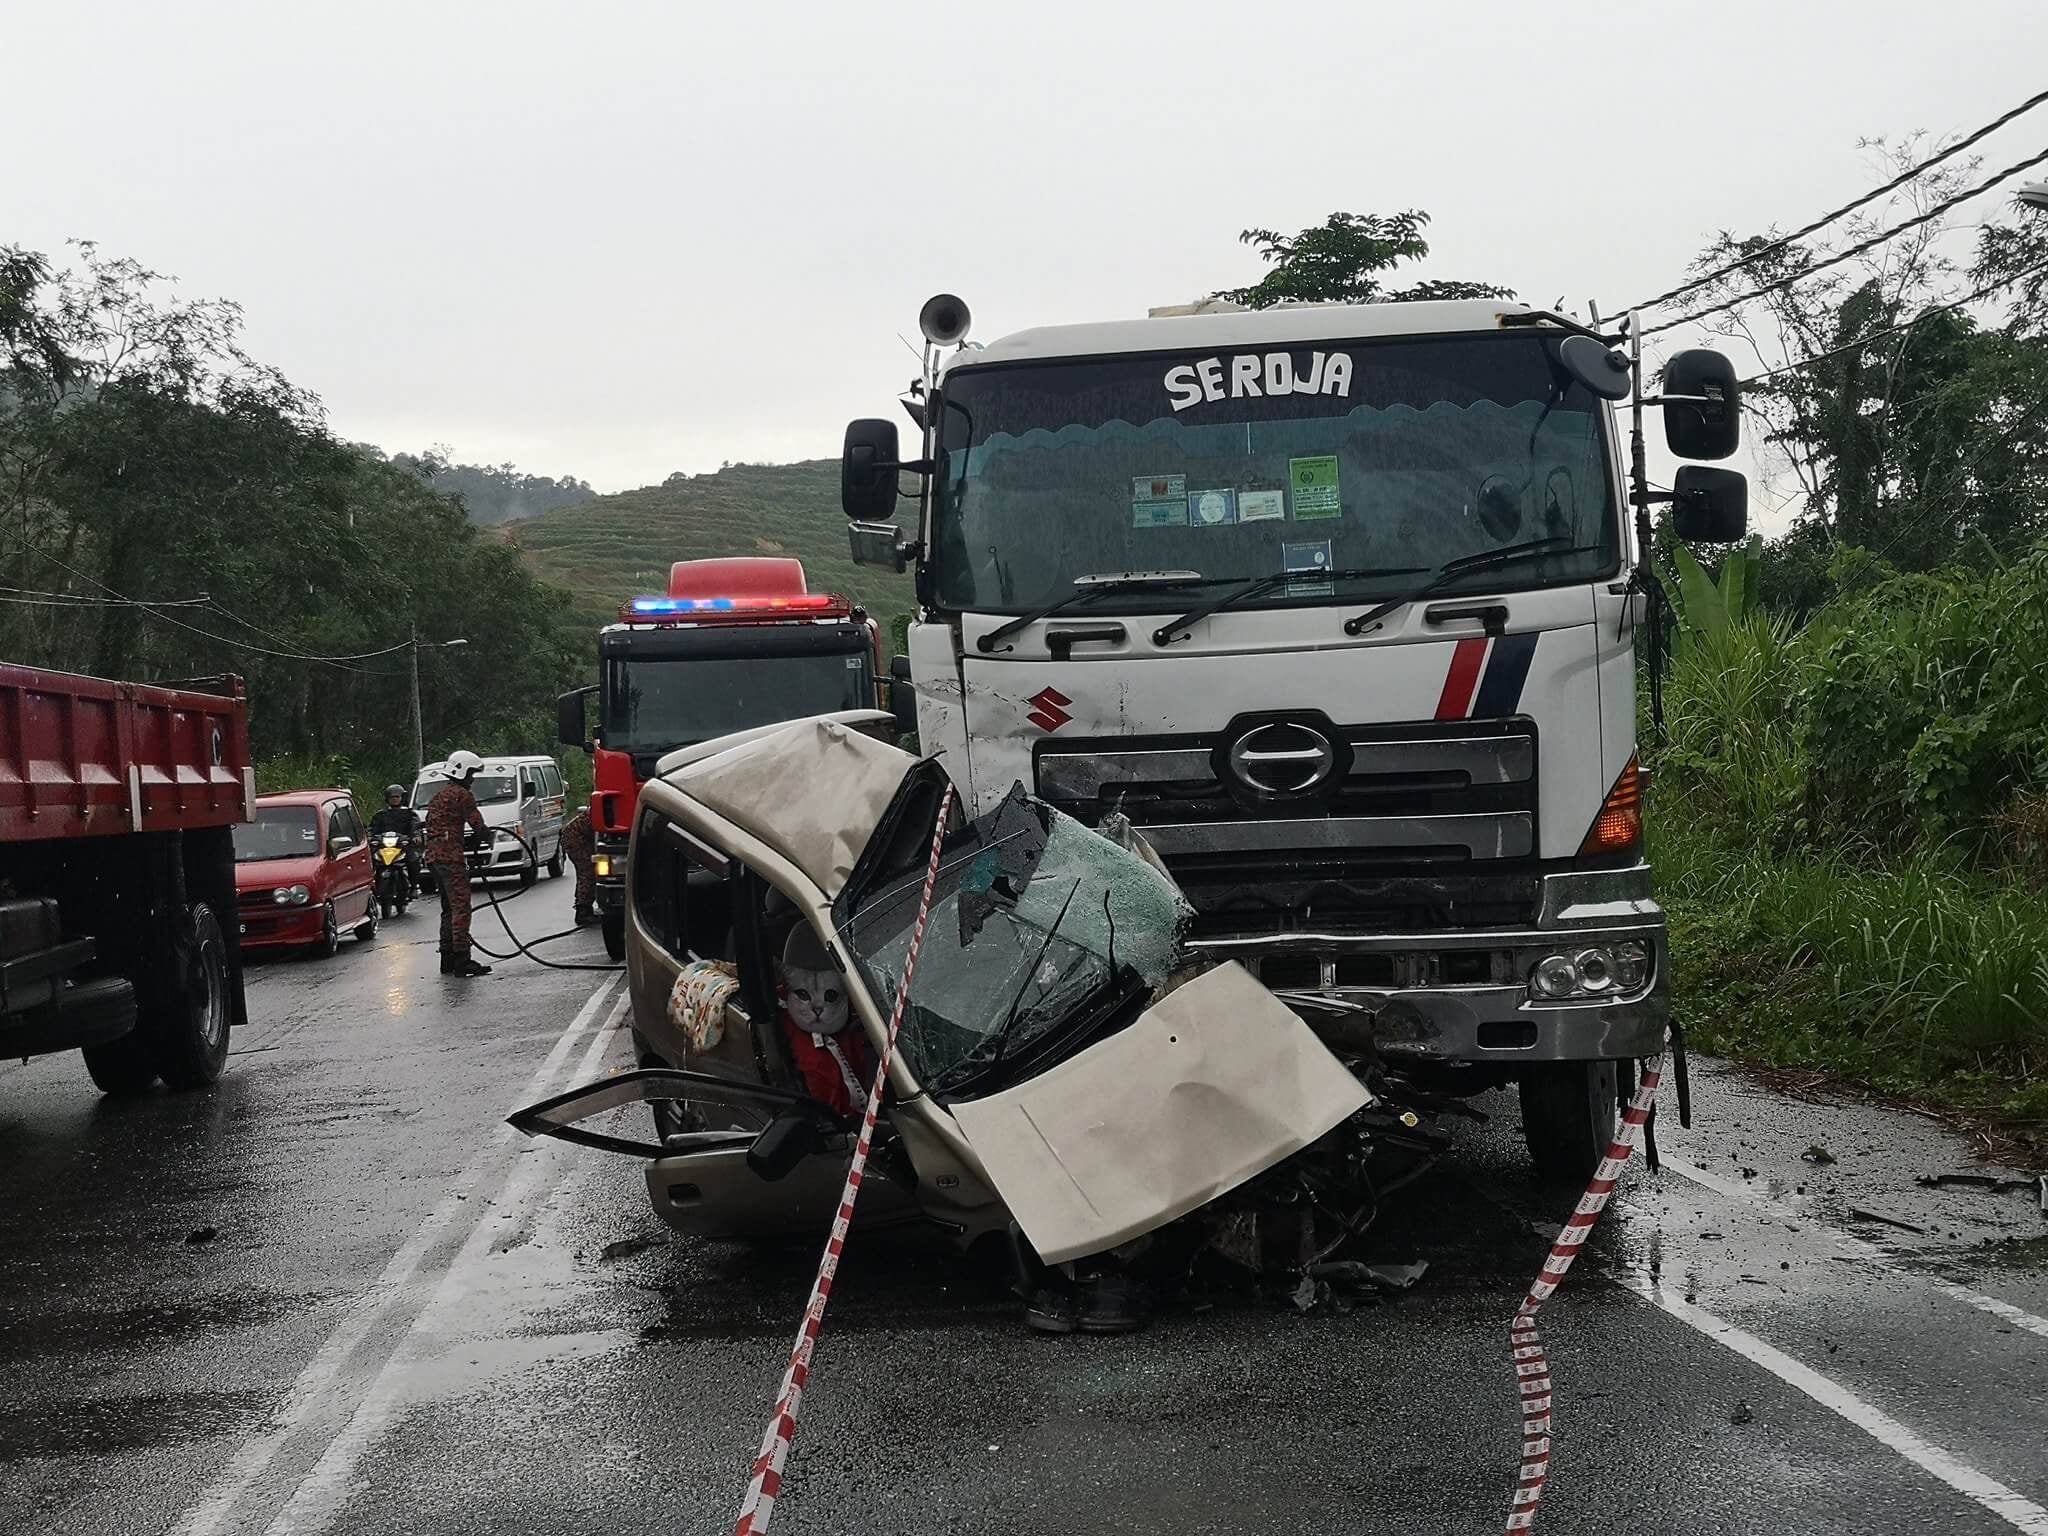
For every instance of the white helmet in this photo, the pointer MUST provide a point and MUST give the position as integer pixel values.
(463, 765)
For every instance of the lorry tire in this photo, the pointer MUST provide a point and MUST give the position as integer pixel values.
(121, 1068)
(1569, 1110)
(613, 925)
(186, 1021)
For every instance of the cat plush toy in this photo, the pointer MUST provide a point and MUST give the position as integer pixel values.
(835, 1061)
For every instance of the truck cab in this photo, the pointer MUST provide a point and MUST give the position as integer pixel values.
(1339, 606)
(733, 644)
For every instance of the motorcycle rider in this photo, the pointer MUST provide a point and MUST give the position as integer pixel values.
(401, 818)
(452, 809)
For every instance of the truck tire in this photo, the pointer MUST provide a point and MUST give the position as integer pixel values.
(187, 1022)
(1569, 1110)
(613, 925)
(121, 1068)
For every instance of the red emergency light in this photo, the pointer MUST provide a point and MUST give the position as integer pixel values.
(697, 610)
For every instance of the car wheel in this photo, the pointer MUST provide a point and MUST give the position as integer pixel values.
(329, 942)
(1569, 1110)
(614, 927)
(555, 864)
(366, 930)
(528, 873)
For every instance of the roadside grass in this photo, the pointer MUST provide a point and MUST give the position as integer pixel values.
(1919, 976)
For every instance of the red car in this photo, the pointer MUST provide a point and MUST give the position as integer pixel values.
(302, 872)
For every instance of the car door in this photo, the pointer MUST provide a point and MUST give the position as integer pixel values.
(350, 874)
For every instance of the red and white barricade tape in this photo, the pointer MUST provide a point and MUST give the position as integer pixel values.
(1532, 1366)
(766, 1482)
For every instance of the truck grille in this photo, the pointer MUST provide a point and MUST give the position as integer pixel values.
(1400, 828)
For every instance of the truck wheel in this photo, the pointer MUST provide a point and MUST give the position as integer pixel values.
(614, 926)
(186, 1023)
(121, 1068)
(1569, 1110)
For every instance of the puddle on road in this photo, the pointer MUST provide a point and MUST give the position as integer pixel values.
(156, 1325)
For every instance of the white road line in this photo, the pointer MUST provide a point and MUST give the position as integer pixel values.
(1870, 1252)
(316, 1383)
(318, 1500)
(2016, 1510)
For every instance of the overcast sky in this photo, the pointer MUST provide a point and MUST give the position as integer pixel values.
(619, 240)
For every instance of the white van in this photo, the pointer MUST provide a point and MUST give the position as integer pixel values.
(524, 803)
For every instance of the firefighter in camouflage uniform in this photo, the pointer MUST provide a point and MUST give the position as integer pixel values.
(580, 843)
(452, 810)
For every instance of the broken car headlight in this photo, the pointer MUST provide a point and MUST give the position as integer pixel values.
(1602, 970)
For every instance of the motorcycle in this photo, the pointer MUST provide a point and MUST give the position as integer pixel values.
(394, 874)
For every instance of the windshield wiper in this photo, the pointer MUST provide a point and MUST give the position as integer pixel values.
(1465, 565)
(1086, 588)
(1165, 633)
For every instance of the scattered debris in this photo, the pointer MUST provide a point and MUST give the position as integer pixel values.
(625, 1248)
(1749, 1173)
(200, 1235)
(1818, 1155)
(1385, 1277)
(1742, 1414)
(1712, 1237)
(1864, 1213)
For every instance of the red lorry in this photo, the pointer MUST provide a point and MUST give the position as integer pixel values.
(734, 643)
(118, 933)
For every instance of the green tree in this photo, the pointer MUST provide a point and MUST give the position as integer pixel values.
(1341, 261)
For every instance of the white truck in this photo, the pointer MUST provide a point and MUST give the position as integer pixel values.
(1339, 605)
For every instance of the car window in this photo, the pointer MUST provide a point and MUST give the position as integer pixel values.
(352, 822)
(553, 776)
(660, 883)
(336, 826)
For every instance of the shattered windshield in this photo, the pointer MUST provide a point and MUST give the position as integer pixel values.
(1032, 917)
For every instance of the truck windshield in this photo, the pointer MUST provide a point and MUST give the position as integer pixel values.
(659, 703)
(1247, 462)
(278, 832)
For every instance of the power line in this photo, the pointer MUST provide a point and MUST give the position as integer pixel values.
(229, 640)
(1847, 208)
(1876, 336)
(1855, 250)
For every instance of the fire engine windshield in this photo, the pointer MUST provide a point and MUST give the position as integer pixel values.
(656, 703)
(1253, 461)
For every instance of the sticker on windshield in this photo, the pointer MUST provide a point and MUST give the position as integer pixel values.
(1212, 509)
(1314, 482)
(1262, 503)
(1160, 488)
(1309, 557)
(1160, 514)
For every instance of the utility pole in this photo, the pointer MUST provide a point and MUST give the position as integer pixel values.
(419, 734)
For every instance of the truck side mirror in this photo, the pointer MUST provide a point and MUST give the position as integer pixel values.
(877, 544)
(1709, 506)
(902, 696)
(1702, 405)
(867, 470)
(570, 729)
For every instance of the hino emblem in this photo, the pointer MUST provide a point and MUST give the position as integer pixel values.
(1048, 709)
(1282, 757)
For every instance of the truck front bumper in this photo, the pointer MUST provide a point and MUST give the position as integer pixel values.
(1464, 995)
(608, 873)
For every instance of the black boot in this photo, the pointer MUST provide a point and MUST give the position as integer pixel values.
(585, 917)
(464, 966)
(447, 963)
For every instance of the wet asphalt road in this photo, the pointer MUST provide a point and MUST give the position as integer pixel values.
(409, 1320)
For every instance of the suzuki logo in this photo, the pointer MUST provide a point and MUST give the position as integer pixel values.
(1048, 709)
(1282, 758)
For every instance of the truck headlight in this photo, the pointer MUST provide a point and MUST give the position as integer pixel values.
(1601, 970)
(601, 864)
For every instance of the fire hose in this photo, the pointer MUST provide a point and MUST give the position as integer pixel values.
(765, 1483)
(1532, 1365)
(527, 947)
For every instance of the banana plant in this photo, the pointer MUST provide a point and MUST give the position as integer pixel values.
(1707, 608)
